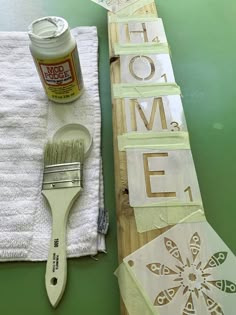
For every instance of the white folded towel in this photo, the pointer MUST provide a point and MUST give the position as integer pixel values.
(27, 120)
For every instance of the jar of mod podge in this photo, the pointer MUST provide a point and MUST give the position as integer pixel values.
(55, 54)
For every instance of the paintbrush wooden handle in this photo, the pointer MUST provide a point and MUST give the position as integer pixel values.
(60, 201)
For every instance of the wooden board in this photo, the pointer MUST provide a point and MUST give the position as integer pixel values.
(129, 239)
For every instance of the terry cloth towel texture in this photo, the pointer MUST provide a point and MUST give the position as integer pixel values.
(27, 120)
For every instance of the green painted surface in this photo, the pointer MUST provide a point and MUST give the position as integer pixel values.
(201, 35)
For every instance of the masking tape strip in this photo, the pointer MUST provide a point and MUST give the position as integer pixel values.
(197, 216)
(113, 18)
(145, 48)
(154, 140)
(129, 10)
(174, 203)
(134, 298)
(152, 218)
(145, 90)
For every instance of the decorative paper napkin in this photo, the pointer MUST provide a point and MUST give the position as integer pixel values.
(27, 120)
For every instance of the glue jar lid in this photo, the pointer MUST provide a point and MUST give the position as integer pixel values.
(75, 131)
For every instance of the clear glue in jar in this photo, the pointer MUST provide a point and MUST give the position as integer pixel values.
(55, 54)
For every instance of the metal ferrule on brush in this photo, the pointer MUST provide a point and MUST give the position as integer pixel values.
(63, 176)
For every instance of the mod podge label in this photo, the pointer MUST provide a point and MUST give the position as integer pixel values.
(57, 74)
(61, 77)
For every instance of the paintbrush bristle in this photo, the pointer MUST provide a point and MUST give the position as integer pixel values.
(64, 152)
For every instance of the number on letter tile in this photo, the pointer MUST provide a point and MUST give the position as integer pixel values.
(189, 190)
(164, 76)
(175, 126)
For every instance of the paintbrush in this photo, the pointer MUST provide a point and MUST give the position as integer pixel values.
(62, 183)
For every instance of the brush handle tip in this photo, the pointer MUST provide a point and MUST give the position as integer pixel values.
(60, 201)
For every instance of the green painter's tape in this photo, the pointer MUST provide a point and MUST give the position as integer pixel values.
(129, 10)
(113, 18)
(134, 298)
(175, 140)
(175, 203)
(152, 218)
(145, 90)
(145, 48)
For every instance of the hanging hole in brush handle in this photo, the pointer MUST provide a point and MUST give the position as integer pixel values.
(54, 281)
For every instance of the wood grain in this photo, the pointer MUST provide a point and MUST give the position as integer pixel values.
(129, 239)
